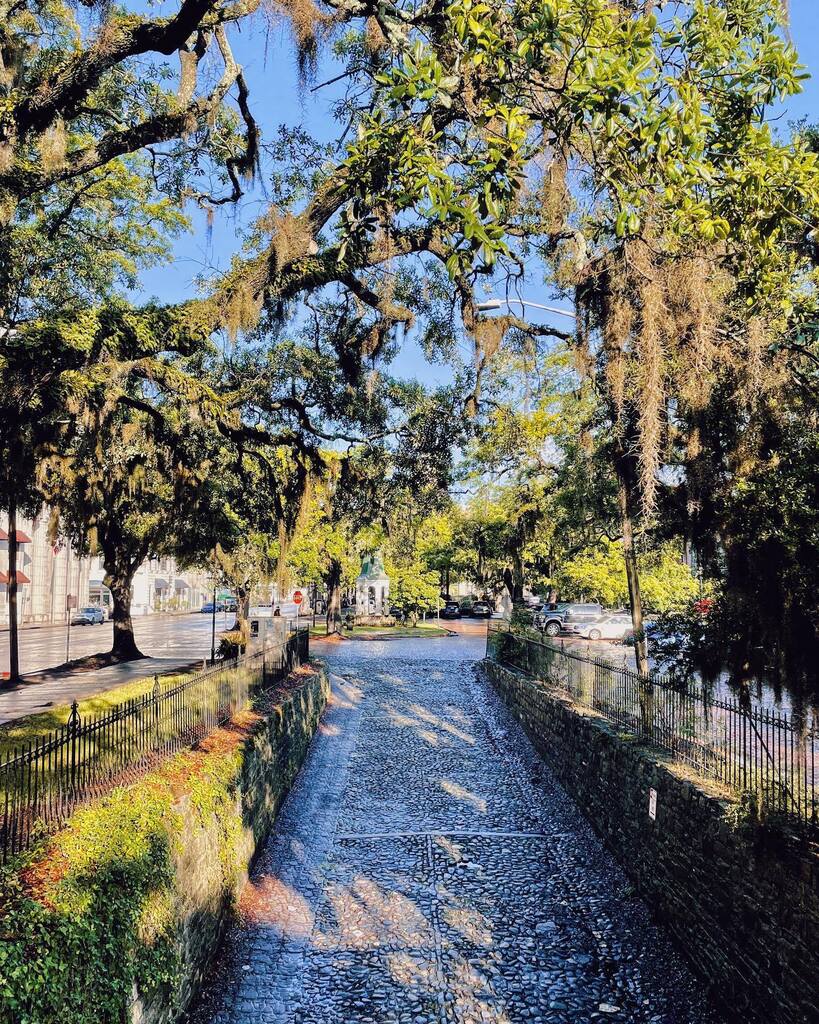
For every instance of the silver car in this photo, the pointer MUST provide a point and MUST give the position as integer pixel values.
(606, 627)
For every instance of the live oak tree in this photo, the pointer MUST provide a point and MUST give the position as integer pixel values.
(660, 197)
(599, 574)
(61, 250)
(53, 374)
(325, 550)
(117, 492)
(626, 145)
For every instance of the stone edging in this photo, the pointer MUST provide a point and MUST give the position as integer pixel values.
(270, 761)
(741, 900)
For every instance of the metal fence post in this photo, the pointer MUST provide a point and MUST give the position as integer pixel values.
(155, 694)
(73, 728)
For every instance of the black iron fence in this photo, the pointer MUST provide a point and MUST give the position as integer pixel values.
(44, 781)
(769, 753)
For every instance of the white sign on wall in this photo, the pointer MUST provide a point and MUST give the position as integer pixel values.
(652, 804)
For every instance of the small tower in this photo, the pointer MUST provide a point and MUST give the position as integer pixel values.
(372, 588)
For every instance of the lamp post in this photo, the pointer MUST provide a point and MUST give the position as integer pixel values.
(490, 304)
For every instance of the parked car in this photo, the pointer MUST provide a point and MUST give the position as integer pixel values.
(481, 610)
(94, 610)
(548, 621)
(207, 607)
(85, 617)
(607, 627)
(451, 610)
(580, 614)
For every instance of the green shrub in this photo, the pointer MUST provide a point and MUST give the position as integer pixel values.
(231, 645)
(92, 912)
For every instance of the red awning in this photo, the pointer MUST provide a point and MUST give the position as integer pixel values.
(21, 577)
(22, 538)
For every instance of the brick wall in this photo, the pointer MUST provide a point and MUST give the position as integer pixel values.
(741, 899)
(207, 888)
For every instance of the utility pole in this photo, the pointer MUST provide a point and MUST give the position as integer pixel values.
(68, 603)
(213, 630)
(14, 652)
(72, 601)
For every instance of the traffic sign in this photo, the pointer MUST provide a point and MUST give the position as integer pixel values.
(298, 597)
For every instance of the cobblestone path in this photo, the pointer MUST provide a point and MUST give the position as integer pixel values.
(427, 868)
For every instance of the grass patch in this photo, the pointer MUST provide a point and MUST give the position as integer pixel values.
(23, 731)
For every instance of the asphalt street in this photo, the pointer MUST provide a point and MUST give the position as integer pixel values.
(160, 636)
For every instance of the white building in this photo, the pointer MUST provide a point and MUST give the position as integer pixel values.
(372, 588)
(48, 571)
(159, 586)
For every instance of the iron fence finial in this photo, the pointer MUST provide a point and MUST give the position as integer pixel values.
(74, 717)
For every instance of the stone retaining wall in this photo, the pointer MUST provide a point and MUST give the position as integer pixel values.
(742, 900)
(206, 887)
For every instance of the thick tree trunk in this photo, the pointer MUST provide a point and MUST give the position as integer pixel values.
(242, 623)
(513, 578)
(120, 582)
(334, 598)
(517, 570)
(14, 648)
(625, 493)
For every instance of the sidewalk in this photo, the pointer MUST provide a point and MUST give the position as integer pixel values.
(44, 690)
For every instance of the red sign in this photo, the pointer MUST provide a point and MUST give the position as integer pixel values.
(298, 597)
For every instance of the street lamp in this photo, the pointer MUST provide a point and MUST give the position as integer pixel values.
(489, 304)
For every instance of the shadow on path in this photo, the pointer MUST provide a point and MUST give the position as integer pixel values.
(427, 867)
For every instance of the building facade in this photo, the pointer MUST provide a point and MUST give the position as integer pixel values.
(159, 586)
(49, 571)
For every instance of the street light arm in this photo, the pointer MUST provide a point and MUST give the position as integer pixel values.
(490, 304)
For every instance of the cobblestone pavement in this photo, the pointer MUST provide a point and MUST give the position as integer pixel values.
(427, 868)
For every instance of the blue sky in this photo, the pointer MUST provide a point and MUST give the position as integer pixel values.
(278, 97)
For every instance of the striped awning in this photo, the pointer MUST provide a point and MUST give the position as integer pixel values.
(22, 538)
(21, 577)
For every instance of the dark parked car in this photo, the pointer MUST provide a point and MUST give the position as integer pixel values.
(451, 610)
(576, 615)
(481, 610)
(207, 608)
(548, 621)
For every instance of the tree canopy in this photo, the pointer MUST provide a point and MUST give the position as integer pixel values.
(623, 149)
